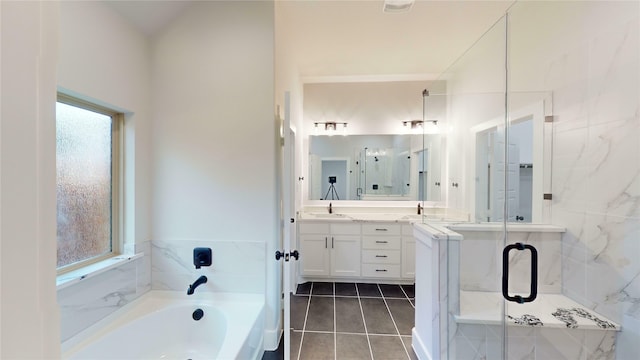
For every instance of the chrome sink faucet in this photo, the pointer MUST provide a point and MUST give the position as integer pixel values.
(419, 209)
(330, 209)
(201, 280)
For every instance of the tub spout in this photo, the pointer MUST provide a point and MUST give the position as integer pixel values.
(201, 280)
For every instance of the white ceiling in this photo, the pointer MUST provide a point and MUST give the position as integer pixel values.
(150, 16)
(346, 38)
(356, 38)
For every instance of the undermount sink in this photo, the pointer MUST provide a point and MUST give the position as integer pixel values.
(326, 216)
(412, 217)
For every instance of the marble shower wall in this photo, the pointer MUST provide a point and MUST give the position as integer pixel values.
(591, 63)
(481, 256)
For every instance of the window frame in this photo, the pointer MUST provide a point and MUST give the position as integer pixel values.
(117, 162)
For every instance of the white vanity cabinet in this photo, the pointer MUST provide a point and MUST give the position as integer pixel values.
(330, 249)
(408, 252)
(381, 250)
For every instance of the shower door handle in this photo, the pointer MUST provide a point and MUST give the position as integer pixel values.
(534, 273)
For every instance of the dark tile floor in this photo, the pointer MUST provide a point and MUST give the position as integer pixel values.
(350, 321)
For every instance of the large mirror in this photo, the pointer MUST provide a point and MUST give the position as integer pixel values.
(375, 167)
(525, 166)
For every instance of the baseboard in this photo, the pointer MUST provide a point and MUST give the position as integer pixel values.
(418, 346)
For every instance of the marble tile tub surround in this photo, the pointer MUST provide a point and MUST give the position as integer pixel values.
(237, 266)
(93, 298)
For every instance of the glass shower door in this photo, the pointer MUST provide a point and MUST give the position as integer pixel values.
(472, 309)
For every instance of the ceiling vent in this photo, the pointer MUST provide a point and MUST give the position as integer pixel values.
(397, 6)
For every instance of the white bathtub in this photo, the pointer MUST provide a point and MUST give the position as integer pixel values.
(159, 325)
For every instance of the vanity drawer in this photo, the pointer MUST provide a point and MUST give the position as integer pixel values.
(381, 256)
(381, 242)
(314, 228)
(381, 229)
(381, 270)
(345, 229)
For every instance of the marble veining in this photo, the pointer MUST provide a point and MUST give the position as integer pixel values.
(238, 266)
(526, 319)
(567, 316)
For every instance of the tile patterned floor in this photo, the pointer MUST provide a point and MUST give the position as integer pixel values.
(351, 321)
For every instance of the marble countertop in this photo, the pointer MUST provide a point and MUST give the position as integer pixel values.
(360, 217)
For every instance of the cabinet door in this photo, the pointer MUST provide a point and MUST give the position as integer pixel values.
(314, 255)
(408, 257)
(345, 255)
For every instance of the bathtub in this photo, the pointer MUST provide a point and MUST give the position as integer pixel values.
(162, 325)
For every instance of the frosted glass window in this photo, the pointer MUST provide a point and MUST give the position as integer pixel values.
(84, 183)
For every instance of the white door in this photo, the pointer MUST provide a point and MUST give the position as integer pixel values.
(498, 190)
(288, 191)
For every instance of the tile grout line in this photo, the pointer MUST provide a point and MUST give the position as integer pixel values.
(304, 325)
(347, 333)
(335, 325)
(408, 298)
(364, 321)
(394, 321)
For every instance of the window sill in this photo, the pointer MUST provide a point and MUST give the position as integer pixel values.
(75, 276)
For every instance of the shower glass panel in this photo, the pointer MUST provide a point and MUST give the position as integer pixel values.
(545, 128)
(471, 320)
(384, 173)
(587, 60)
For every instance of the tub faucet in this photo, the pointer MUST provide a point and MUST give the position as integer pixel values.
(419, 209)
(201, 280)
(330, 209)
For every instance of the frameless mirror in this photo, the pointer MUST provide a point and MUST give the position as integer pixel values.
(374, 167)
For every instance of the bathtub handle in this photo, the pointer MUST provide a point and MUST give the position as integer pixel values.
(534, 273)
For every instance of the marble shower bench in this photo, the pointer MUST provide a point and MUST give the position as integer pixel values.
(460, 290)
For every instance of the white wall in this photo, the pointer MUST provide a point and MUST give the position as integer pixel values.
(368, 107)
(29, 314)
(214, 156)
(103, 58)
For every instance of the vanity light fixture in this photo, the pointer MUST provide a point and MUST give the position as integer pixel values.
(330, 128)
(415, 124)
(420, 126)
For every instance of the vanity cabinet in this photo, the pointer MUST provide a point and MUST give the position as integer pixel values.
(381, 250)
(330, 249)
(408, 252)
(369, 250)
